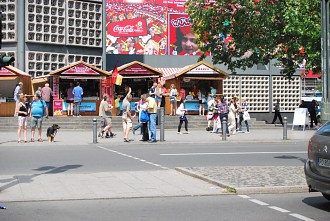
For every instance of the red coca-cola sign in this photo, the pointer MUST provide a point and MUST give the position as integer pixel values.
(128, 28)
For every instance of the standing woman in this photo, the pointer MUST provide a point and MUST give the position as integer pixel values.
(173, 94)
(69, 99)
(183, 117)
(158, 94)
(22, 112)
(244, 107)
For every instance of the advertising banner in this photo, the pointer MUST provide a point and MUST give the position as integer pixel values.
(56, 88)
(139, 26)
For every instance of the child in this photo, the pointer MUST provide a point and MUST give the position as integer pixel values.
(181, 111)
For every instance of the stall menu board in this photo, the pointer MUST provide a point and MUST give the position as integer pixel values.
(300, 117)
(58, 107)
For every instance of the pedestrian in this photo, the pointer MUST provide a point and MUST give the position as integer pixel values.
(312, 108)
(277, 109)
(164, 93)
(152, 90)
(22, 112)
(117, 105)
(216, 120)
(77, 98)
(242, 109)
(138, 111)
(106, 117)
(46, 93)
(144, 118)
(210, 114)
(69, 99)
(158, 94)
(183, 118)
(223, 112)
(201, 103)
(173, 101)
(127, 115)
(236, 105)
(152, 110)
(17, 93)
(231, 117)
(38, 108)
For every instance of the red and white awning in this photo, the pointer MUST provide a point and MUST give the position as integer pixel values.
(169, 73)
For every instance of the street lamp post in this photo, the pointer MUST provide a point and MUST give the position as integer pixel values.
(325, 38)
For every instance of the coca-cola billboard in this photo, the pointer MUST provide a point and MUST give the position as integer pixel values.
(131, 27)
(149, 27)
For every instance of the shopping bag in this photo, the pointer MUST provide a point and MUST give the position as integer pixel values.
(246, 116)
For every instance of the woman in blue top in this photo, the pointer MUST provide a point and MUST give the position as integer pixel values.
(38, 108)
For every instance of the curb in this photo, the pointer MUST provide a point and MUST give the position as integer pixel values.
(246, 190)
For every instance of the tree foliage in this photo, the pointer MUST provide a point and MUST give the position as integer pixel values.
(260, 31)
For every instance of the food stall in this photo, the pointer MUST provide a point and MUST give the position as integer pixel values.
(139, 76)
(9, 78)
(188, 80)
(94, 81)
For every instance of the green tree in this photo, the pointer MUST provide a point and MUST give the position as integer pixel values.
(261, 30)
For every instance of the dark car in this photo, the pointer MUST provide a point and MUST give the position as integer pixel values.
(317, 167)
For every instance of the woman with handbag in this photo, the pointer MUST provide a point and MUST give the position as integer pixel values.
(243, 110)
(181, 111)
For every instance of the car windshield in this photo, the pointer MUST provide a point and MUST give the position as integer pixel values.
(324, 130)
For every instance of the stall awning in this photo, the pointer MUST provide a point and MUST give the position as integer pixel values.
(169, 73)
(138, 69)
(310, 74)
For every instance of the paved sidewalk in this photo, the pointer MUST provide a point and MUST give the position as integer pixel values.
(161, 183)
(170, 136)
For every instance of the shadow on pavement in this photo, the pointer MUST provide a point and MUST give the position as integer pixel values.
(29, 178)
(286, 157)
(318, 202)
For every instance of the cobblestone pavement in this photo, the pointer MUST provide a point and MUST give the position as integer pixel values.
(252, 179)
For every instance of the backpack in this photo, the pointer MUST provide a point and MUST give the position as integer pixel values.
(144, 116)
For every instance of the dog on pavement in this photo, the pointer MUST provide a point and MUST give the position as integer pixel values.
(52, 131)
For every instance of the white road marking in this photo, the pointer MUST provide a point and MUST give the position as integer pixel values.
(298, 216)
(132, 157)
(231, 153)
(244, 196)
(279, 209)
(301, 217)
(259, 202)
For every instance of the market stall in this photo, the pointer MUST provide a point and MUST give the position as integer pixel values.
(94, 81)
(188, 80)
(9, 78)
(139, 76)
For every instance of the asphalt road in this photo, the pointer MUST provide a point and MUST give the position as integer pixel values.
(99, 158)
(270, 207)
(36, 159)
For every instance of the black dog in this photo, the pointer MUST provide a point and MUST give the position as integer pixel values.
(51, 132)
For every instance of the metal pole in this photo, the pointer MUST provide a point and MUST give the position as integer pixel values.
(224, 128)
(325, 56)
(285, 128)
(162, 123)
(94, 130)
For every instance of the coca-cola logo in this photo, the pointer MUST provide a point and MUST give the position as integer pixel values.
(181, 22)
(125, 29)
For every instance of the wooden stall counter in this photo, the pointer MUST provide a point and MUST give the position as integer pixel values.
(7, 109)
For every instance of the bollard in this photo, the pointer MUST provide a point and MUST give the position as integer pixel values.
(162, 124)
(94, 130)
(285, 128)
(224, 128)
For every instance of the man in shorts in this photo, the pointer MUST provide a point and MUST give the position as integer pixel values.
(106, 117)
(38, 108)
